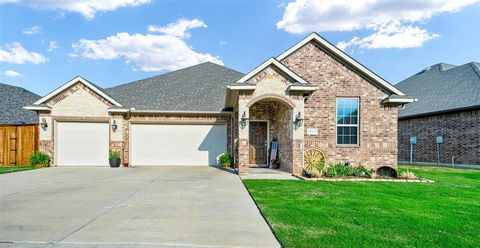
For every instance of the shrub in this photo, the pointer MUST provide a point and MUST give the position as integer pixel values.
(40, 158)
(361, 171)
(407, 175)
(225, 159)
(113, 154)
(321, 166)
(331, 171)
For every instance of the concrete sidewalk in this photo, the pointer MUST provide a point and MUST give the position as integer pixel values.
(129, 207)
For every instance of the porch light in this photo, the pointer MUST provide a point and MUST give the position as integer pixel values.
(244, 120)
(44, 124)
(298, 120)
(114, 126)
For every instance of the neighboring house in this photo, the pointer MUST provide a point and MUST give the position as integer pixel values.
(312, 95)
(12, 101)
(18, 127)
(448, 107)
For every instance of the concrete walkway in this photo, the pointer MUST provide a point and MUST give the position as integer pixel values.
(269, 174)
(129, 207)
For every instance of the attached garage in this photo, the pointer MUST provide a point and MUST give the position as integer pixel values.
(167, 144)
(82, 144)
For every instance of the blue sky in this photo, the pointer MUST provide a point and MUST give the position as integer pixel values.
(43, 43)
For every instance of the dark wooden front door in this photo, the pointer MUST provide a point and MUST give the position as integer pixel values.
(258, 142)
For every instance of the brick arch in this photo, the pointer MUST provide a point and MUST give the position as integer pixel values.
(281, 98)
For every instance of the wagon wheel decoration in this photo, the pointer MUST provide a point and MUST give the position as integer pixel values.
(314, 160)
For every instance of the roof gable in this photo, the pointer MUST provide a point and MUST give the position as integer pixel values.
(342, 56)
(277, 64)
(72, 82)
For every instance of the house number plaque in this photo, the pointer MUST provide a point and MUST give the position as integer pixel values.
(312, 131)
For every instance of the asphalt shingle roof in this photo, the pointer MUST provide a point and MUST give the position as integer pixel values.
(442, 87)
(12, 101)
(196, 88)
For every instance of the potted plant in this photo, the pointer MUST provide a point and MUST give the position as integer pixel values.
(113, 158)
(275, 163)
(225, 159)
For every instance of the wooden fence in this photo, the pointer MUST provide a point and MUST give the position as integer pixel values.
(17, 143)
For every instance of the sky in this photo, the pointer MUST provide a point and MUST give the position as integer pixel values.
(45, 43)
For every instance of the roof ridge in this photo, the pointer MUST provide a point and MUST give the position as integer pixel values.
(475, 68)
(20, 88)
(171, 72)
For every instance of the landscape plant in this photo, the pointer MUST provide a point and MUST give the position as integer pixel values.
(225, 159)
(113, 155)
(40, 159)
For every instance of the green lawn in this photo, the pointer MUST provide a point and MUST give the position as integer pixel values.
(373, 214)
(8, 169)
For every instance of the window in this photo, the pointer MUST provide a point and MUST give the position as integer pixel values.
(347, 121)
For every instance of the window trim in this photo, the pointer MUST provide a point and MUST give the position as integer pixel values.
(347, 125)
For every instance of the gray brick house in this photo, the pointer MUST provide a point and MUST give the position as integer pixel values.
(312, 95)
(448, 107)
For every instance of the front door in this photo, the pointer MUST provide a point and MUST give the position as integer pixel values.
(258, 142)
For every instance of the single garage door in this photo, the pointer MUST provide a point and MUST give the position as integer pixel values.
(82, 144)
(155, 144)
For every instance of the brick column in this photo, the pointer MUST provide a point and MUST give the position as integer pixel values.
(243, 142)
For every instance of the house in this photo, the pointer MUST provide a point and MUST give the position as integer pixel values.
(445, 121)
(18, 127)
(312, 95)
(12, 101)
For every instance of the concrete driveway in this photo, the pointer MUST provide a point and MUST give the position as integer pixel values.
(127, 207)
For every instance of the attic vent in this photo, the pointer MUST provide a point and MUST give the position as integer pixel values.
(427, 69)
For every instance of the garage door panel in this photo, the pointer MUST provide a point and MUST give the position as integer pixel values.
(153, 144)
(82, 144)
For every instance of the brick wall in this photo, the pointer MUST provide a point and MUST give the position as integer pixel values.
(378, 124)
(461, 132)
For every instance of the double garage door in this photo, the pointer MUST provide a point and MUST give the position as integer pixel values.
(87, 144)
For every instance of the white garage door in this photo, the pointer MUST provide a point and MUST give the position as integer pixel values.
(82, 144)
(155, 144)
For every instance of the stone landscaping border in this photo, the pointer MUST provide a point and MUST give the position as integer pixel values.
(393, 180)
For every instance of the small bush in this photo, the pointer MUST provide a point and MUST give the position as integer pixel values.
(225, 159)
(407, 175)
(361, 171)
(341, 170)
(113, 154)
(321, 166)
(40, 158)
(331, 171)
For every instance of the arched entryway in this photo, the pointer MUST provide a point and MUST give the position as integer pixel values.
(270, 119)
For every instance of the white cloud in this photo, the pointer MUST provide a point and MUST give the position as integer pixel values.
(87, 8)
(392, 35)
(14, 53)
(390, 20)
(53, 45)
(32, 30)
(178, 28)
(223, 43)
(148, 52)
(11, 73)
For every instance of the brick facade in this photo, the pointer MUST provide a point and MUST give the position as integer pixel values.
(378, 124)
(461, 132)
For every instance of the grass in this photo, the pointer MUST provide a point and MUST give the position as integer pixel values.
(8, 169)
(374, 214)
